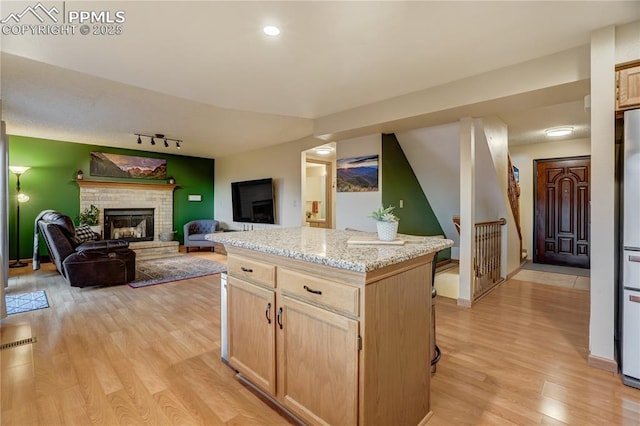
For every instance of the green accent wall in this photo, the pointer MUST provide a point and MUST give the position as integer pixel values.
(399, 182)
(50, 184)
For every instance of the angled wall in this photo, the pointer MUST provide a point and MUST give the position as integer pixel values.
(400, 183)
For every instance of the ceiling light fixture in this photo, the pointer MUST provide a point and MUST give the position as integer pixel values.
(559, 131)
(323, 150)
(271, 30)
(152, 139)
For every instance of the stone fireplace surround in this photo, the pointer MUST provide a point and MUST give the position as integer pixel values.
(118, 195)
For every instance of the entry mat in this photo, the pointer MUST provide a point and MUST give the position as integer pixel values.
(25, 302)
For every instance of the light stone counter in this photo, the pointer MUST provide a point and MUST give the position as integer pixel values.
(329, 247)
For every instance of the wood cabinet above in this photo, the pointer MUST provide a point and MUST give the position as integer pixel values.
(628, 84)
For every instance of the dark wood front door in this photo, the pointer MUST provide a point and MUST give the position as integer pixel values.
(562, 211)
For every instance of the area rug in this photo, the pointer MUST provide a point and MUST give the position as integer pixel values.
(175, 268)
(25, 302)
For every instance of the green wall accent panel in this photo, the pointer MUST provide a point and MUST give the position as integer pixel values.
(399, 182)
(50, 184)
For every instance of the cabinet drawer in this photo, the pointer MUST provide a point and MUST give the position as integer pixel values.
(251, 270)
(340, 297)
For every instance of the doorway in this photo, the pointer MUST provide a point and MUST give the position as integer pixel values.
(561, 211)
(318, 187)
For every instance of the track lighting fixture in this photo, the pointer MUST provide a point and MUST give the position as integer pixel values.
(152, 139)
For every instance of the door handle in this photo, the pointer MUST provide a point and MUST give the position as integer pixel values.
(635, 299)
(279, 318)
(267, 312)
(310, 290)
(634, 258)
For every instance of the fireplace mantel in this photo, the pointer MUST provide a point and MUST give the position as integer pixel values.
(125, 185)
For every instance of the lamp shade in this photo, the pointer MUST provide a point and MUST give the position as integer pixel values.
(18, 170)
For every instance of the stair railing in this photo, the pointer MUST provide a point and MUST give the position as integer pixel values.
(488, 256)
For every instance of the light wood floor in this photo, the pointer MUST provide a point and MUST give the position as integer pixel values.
(123, 356)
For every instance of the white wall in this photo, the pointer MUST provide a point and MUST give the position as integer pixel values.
(496, 137)
(523, 157)
(628, 42)
(282, 163)
(353, 208)
(602, 318)
(488, 188)
(487, 92)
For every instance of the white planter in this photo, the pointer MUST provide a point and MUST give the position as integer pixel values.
(387, 231)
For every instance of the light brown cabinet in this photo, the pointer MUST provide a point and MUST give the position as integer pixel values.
(332, 346)
(318, 364)
(250, 311)
(628, 82)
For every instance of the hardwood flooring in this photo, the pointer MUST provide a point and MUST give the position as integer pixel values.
(123, 356)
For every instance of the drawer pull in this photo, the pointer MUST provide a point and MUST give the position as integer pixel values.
(246, 269)
(310, 290)
(267, 312)
(279, 318)
(635, 299)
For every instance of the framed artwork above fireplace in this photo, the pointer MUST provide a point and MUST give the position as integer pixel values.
(127, 166)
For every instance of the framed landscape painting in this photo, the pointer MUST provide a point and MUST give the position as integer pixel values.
(127, 166)
(357, 174)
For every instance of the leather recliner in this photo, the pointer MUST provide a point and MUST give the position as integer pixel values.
(82, 264)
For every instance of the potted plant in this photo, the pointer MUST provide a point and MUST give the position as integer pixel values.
(90, 216)
(386, 222)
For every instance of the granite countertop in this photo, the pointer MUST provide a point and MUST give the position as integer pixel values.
(330, 247)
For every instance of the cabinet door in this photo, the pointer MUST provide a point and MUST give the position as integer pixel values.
(251, 325)
(317, 363)
(629, 88)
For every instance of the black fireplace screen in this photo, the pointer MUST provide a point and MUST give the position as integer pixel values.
(128, 224)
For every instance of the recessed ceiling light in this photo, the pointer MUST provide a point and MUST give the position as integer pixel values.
(271, 30)
(559, 131)
(323, 150)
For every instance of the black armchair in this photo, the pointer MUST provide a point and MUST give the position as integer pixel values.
(105, 262)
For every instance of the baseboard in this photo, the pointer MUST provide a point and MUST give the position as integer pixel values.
(464, 303)
(602, 363)
(515, 271)
(446, 262)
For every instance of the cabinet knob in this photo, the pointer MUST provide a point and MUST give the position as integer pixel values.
(246, 269)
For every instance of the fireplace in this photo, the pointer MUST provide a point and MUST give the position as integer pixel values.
(131, 224)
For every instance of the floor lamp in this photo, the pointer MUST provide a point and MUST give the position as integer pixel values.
(20, 198)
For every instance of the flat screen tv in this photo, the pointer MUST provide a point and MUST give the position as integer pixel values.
(253, 201)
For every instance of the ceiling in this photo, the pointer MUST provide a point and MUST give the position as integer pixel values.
(204, 72)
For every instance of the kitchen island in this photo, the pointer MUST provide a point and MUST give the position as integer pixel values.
(332, 332)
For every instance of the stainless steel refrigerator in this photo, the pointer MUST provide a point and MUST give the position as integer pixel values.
(630, 304)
